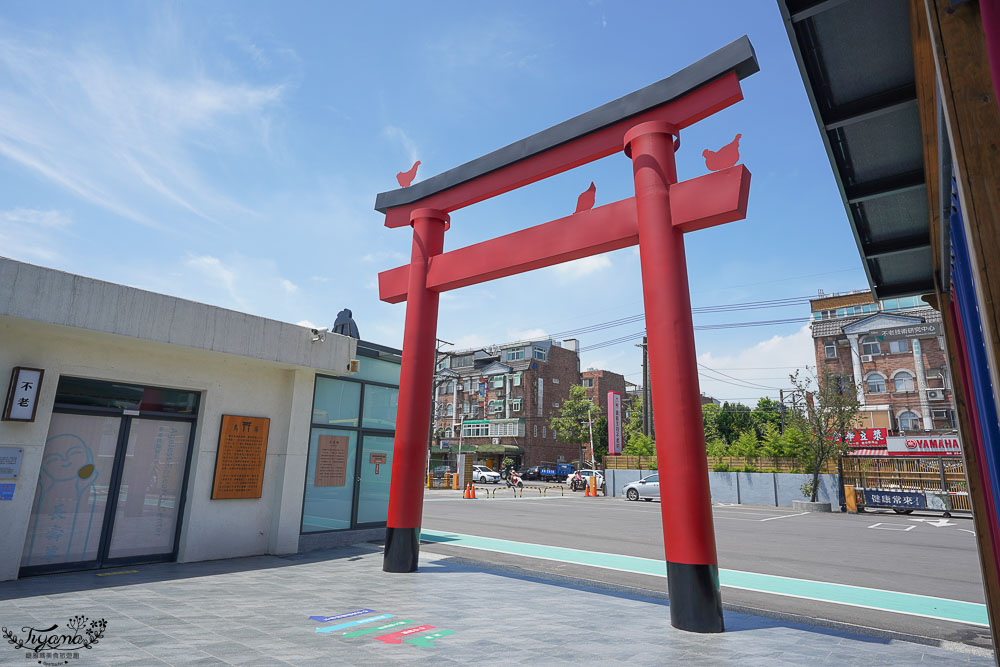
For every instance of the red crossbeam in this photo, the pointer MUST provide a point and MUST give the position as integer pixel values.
(705, 201)
(682, 112)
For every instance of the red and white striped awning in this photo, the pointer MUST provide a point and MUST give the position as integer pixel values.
(869, 452)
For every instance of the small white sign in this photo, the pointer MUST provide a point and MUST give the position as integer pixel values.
(10, 462)
(928, 445)
(22, 394)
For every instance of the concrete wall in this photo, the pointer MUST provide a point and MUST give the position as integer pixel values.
(229, 384)
(746, 488)
(617, 479)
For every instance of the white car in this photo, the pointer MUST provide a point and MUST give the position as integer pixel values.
(587, 474)
(485, 475)
(646, 488)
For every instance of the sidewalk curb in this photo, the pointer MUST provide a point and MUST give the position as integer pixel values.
(634, 591)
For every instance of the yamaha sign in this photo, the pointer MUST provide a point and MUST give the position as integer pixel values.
(929, 445)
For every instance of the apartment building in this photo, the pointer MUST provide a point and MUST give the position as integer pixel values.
(894, 349)
(497, 402)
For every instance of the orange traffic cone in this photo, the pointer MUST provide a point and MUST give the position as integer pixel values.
(473, 496)
(466, 494)
(586, 491)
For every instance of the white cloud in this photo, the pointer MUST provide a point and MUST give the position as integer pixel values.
(307, 324)
(397, 134)
(382, 256)
(31, 234)
(469, 341)
(584, 266)
(526, 334)
(767, 363)
(214, 271)
(122, 133)
(289, 286)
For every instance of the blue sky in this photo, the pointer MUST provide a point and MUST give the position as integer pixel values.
(230, 153)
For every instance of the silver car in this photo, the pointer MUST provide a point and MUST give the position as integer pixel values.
(646, 488)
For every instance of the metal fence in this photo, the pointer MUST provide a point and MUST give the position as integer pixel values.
(939, 475)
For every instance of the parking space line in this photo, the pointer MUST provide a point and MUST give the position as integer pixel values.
(785, 516)
(911, 604)
(892, 526)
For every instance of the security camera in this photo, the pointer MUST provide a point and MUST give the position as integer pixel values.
(319, 332)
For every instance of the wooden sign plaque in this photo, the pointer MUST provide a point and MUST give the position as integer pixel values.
(239, 463)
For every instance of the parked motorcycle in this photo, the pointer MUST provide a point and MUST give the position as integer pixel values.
(514, 480)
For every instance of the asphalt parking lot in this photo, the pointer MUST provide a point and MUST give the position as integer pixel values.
(914, 574)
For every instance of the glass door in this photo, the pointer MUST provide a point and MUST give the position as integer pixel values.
(148, 505)
(374, 475)
(67, 521)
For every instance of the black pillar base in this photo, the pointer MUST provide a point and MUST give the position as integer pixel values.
(695, 598)
(402, 548)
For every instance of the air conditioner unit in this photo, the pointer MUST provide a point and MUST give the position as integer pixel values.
(939, 414)
(935, 395)
(866, 357)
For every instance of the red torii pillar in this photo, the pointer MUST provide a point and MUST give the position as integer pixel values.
(685, 498)
(656, 219)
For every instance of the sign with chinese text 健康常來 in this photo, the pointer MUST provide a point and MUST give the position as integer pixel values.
(922, 330)
(897, 499)
(331, 460)
(22, 394)
(239, 463)
(10, 462)
(917, 445)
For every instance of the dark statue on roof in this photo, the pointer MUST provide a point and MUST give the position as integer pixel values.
(345, 324)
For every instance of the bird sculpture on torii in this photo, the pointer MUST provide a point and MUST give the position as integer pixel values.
(645, 124)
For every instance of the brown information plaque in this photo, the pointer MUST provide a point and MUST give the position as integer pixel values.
(331, 460)
(239, 464)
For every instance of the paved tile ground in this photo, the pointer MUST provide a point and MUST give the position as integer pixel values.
(255, 611)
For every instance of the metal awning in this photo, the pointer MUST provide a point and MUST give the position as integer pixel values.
(856, 60)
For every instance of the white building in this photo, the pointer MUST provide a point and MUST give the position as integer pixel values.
(119, 462)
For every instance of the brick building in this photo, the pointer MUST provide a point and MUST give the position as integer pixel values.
(498, 401)
(895, 350)
(598, 383)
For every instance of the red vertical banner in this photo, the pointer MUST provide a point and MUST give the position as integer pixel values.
(614, 423)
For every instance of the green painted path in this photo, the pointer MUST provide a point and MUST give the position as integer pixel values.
(855, 596)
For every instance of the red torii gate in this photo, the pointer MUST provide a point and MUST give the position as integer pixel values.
(647, 124)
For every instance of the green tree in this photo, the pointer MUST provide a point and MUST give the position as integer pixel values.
(633, 426)
(793, 442)
(746, 444)
(709, 415)
(772, 442)
(640, 445)
(600, 436)
(717, 447)
(830, 412)
(764, 413)
(733, 419)
(572, 425)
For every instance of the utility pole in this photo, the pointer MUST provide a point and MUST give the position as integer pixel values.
(647, 420)
(434, 401)
(781, 410)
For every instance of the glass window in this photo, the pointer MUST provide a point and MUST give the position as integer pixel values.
(475, 430)
(378, 370)
(870, 345)
(515, 405)
(588, 382)
(337, 402)
(329, 494)
(909, 421)
(831, 350)
(540, 353)
(652, 478)
(462, 362)
(534, 430)
(903, 381)
(555, 380)
(876, 384)
(498, 381)
(514, 355)
(897, 346)
(380, 407)
(544, 434)
(515, 380)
